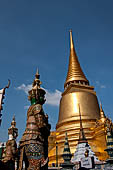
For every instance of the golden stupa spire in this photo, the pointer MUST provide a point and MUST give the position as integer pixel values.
(75, 73)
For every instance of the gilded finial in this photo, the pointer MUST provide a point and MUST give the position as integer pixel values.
(37, 82)
(71, 40)
(75, 73)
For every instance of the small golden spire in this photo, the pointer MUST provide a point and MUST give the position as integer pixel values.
(102, 115)
(75, 73)
(71, 40)
(82, 137)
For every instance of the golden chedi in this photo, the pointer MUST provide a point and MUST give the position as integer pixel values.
(77, 91)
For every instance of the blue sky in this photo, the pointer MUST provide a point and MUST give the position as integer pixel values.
(36, 34)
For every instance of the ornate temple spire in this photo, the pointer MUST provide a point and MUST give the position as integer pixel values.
(37, 94)
(34, 142)
(13, 131)
(75, 73)
(82, 137)
(36, 83)
(11, 146)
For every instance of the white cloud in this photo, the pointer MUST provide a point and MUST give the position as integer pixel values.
(97, 83)
(100, 85)
(52, 98)
(25, 88)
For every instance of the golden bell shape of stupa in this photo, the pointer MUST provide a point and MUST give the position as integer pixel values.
(77, 91)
